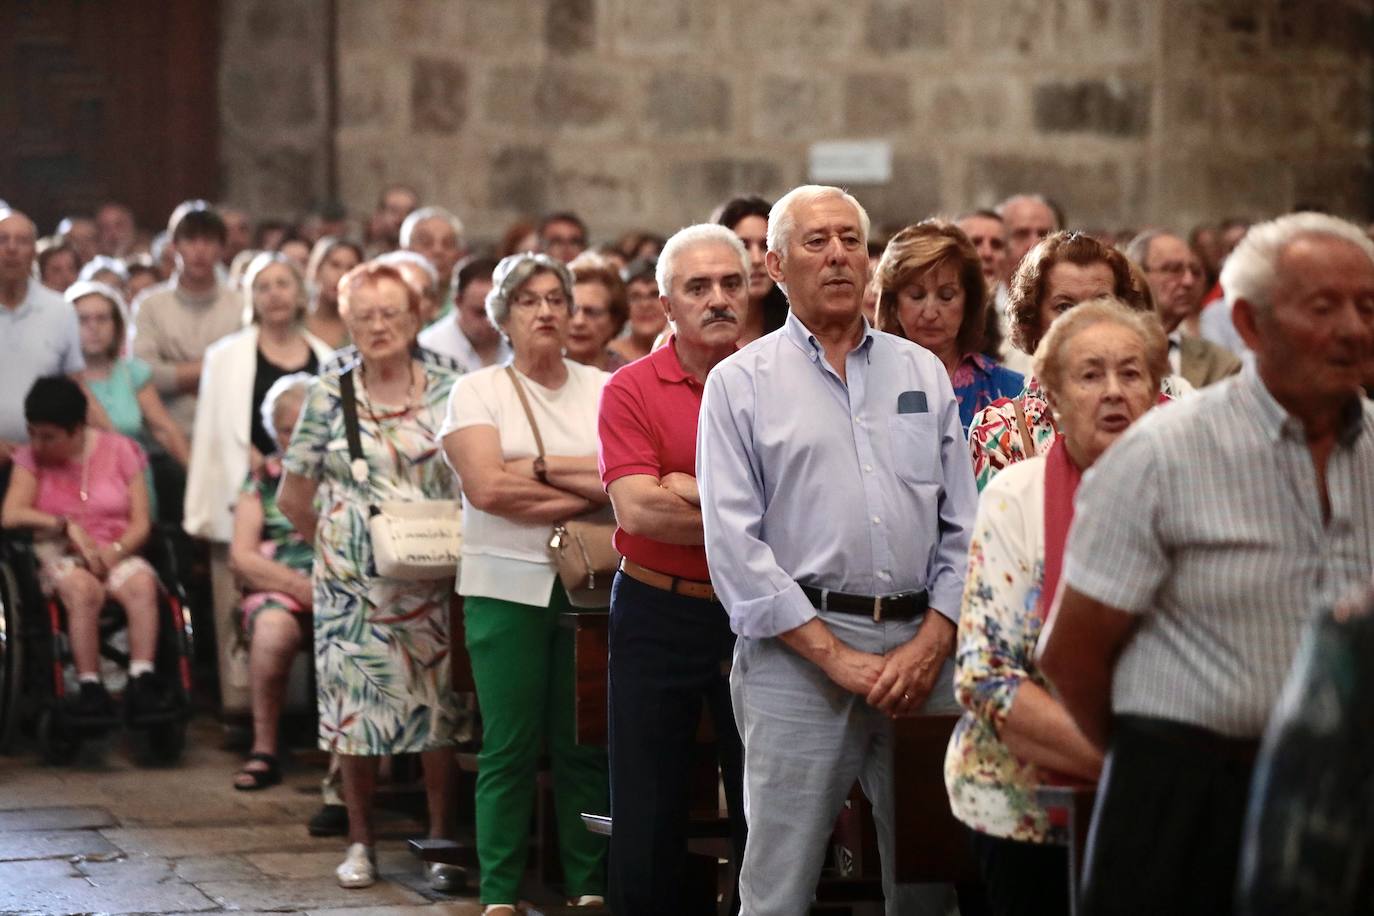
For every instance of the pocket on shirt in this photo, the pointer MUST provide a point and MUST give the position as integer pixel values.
(915, 442)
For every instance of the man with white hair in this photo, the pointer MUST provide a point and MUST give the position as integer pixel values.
(1251, 506)
(670, 637)
(837, 499)
(39, 330)
(437, 235)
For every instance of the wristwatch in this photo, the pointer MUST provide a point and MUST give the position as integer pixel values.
(541, 470)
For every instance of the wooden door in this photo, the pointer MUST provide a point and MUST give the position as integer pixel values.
(108, 101)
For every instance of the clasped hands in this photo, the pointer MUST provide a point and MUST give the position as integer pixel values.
(898, 682)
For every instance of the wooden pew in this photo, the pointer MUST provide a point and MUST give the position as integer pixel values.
(931, 845)
(1071, 807)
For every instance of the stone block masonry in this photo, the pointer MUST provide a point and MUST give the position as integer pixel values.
(646, 113)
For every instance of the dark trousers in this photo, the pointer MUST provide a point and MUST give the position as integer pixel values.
(669, 656)
(1166, 830)
(1022, 879)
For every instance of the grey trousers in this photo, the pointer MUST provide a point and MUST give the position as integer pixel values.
(806, 740)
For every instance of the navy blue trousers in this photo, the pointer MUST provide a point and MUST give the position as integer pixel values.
(669, 658)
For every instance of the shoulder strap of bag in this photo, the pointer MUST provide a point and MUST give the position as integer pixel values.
(355, 440)
(1027, 440)
(525, 403)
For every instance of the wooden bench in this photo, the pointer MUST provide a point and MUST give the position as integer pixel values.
(931, 845)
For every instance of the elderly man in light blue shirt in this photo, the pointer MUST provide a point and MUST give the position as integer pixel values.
(38, 329)
(837, 498)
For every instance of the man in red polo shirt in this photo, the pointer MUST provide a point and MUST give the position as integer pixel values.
(670, 638)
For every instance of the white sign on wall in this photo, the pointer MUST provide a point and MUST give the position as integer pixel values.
(850, 162)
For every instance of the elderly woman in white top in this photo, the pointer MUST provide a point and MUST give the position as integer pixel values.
(522, 659)
(228, 438)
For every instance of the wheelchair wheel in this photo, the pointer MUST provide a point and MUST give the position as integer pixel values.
(57, 745)
(166, 741)
(11, 656)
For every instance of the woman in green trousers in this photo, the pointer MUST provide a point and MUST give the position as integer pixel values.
(518, 484)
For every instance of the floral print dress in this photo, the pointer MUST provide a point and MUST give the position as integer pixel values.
(990, 788)
(381, 645)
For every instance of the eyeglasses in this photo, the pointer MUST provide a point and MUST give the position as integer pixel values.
(1176, 269)
(555, 300)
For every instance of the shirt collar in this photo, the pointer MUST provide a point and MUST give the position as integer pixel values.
(1275, 420)
(667, 365)
(805, 341)
(26, 302)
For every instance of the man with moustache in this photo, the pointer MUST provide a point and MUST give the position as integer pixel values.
(670, 637)
(837, 500)
(1251, 506)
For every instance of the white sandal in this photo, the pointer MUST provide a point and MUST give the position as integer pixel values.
(359, 867)
(499, 909)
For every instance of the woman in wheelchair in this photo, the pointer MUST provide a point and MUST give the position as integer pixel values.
(81, 491)
(273, 562)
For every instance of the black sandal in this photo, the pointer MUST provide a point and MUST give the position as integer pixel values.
(259, 779)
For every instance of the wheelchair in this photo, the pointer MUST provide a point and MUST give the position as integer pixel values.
(36, 673)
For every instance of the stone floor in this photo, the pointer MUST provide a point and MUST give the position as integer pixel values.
(106, 835)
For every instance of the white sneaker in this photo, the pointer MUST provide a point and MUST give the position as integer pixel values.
(588, 900)
(499, 909)
(446, 878)
(359, 867)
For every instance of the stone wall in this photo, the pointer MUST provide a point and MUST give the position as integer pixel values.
(645, 113)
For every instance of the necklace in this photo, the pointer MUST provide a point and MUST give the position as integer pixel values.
(411, 402)
(85, 492)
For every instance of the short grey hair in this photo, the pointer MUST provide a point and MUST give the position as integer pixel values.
(1049, 369)
(1251, 270)
(417, 217)
(691, 237)
(397, 258)
(104, 262)
(513, 272)
(782, 219)
(288, 389)
(1138, 248)
(260, 262)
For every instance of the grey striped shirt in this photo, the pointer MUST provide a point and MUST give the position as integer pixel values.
(1205, 519)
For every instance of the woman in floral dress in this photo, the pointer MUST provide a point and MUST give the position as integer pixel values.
(381, 645)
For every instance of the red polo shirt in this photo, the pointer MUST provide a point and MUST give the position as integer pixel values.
(648, 425)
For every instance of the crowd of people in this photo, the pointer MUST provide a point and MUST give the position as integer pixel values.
(1082, 490)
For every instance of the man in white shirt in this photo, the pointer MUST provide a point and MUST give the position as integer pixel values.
(467, 335)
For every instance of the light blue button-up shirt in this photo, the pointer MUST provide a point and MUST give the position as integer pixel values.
(863, 487)
(41, 337)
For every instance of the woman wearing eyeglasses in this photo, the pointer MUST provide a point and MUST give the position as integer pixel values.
(514, 493)
(600, 310)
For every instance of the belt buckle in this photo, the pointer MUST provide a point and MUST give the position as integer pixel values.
(877, 609)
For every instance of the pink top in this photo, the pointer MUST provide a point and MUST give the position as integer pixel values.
(114, 461)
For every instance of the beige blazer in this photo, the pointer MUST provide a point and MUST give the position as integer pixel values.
(1202, 362)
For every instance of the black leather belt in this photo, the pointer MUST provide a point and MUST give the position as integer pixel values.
(902, 606)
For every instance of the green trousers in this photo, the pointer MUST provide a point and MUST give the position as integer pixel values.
(522, 662)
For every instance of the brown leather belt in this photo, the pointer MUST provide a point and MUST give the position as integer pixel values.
(689, 588)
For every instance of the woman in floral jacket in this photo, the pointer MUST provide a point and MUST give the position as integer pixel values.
(1101, 368)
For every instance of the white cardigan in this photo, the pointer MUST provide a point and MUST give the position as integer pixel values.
(220, 437)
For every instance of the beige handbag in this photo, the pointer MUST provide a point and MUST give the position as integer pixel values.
(420, 540)
(582, 547)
